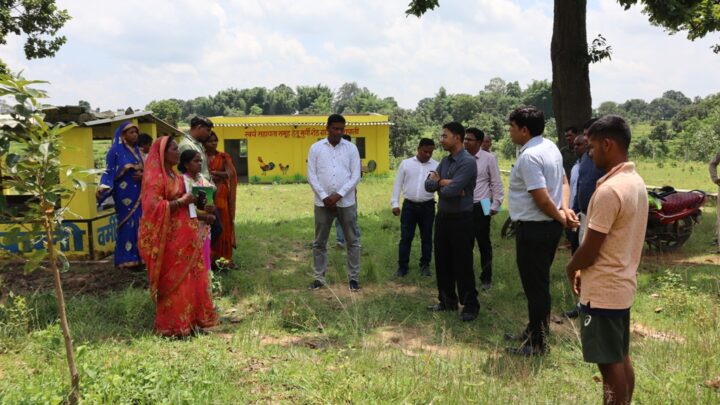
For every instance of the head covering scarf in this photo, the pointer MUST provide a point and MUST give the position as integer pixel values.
(165, 237)
(120, 158)
(170, 245)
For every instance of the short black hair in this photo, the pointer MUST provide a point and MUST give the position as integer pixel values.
(144, 139)
(612, 127)
(456, 128)
(200, 121)
(529, 117)
(572, 129)
(426, 142)
(479, 134)
(185, 158)
(347, 137)
(333, 118)
(589, 123)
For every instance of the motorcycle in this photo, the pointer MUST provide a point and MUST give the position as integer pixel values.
(671, 218)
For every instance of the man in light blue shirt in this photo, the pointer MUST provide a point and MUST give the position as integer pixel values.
(537, 199)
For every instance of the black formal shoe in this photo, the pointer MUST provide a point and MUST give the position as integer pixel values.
(572, 314)
(425, 271)
(468, 316)
(520, 337)
(441, 307)
(354, 286)
(527, 350)
(316, 284)
(399, 274)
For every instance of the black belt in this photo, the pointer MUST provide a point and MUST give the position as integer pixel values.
(453, 215)
(418, 203)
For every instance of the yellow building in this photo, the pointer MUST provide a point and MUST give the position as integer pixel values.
(275, 148)
(92, 231)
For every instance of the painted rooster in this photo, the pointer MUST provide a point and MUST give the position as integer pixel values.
(265, 167)
(284, 168)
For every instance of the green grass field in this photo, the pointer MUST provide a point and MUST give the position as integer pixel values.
(280, 343)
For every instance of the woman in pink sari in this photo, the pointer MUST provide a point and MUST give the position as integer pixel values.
(170, 245)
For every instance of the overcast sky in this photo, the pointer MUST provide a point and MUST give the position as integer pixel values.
(127, 53)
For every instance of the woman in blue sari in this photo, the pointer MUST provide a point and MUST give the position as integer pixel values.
(122, 179)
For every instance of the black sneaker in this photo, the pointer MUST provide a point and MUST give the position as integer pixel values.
(354, 286)
(316, 285)
(425, 270)
(486, 285)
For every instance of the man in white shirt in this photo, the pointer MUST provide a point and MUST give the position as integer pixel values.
(488, 187)
(418, 206)
(538, 202)
(333, 173)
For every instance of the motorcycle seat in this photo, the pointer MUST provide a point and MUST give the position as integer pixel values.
(677, 202)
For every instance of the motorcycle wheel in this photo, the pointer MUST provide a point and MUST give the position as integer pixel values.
(674, 235)
(508, 229)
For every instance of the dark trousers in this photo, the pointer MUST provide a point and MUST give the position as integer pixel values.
(481, 223)
(574, 238)
(535, 246)
(413, 215)
(454, 261)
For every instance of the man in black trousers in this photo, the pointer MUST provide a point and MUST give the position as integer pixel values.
(538, 202)
(454, 182)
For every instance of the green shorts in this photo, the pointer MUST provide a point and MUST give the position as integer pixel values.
(605, 334)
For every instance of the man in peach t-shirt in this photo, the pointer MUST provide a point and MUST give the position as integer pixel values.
(603, 271)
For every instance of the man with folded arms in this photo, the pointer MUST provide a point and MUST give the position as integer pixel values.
(454, 182)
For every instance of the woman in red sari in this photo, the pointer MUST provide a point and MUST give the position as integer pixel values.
(170, 245)
(225, 178)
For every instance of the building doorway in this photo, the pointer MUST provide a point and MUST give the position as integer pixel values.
(238, 150)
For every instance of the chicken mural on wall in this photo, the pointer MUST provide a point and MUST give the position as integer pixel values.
(284, 168)
(265, 167)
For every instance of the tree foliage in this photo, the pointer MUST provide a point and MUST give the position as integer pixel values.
(39, 20)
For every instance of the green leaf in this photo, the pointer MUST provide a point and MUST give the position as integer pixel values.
(64, 263)
(79, 184)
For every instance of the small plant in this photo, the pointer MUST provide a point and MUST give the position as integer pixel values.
(31, 169)
(277, 179)
(298, 178)
(255, 179)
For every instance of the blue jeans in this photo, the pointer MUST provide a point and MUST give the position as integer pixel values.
(413, 215)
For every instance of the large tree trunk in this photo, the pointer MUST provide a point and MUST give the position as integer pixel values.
(572, 102)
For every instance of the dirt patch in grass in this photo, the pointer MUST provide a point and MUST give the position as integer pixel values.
(311, 342)
(647, 332)
(411, 341)
(96, 279)
(342, 292)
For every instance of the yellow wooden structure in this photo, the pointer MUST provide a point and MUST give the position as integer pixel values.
(92, 232)
(274, 148)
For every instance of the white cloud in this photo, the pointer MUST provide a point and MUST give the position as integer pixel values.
(128, 53)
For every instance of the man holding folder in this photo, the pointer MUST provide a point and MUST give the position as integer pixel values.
(487, 199)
